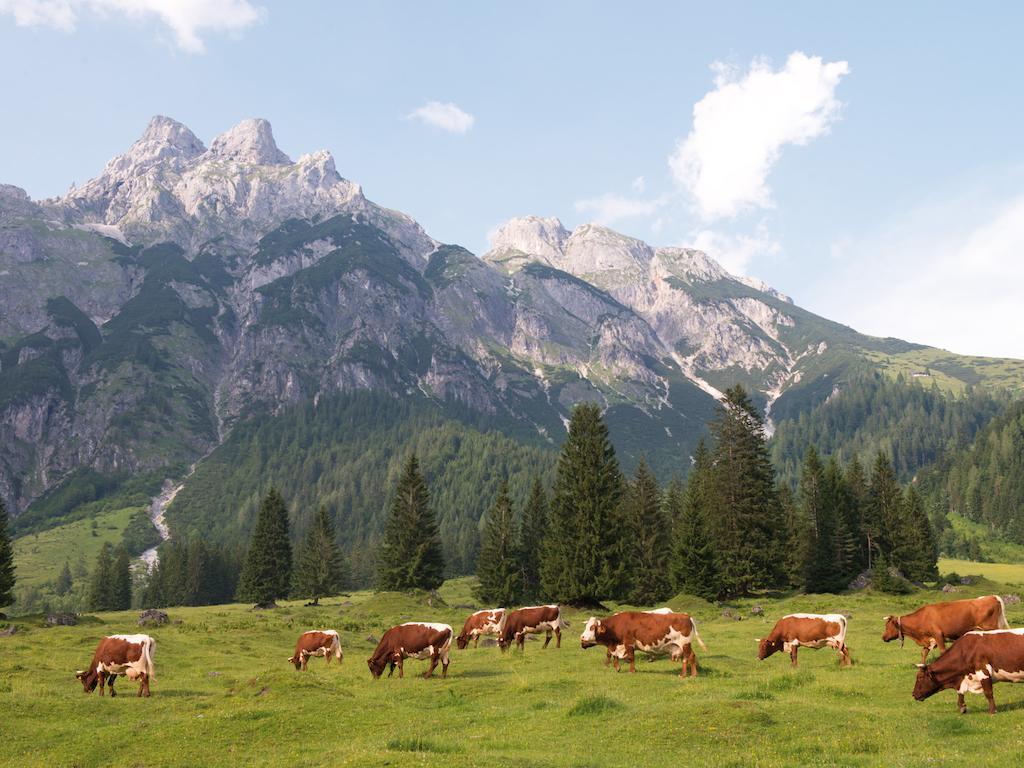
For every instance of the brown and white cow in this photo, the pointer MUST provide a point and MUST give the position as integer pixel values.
(317, 642)
(810, 630)
(932, 625)
(531, 621)
(486, 622)
(653, 632)
(973, 663)
(128, 655)
(412, 640)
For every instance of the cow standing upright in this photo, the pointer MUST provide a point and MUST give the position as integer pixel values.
(932, 625)
(973, 663)
(486, 622)
(412, 640)
(531, 621)
(811, 630)
(653, 632)
(128, 655)
(317, 642)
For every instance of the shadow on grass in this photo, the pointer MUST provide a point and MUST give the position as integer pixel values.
(594, 705)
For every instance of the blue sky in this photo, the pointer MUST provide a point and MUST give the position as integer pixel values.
(868, 162)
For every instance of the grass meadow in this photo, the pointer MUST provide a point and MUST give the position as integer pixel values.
(224, 695)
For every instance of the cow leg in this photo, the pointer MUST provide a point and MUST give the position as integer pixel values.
(444, 666)
(433, 663)
(616, 663)
(558, 637)
(961, 704)
(547, 638)
(693, 661)
(521, 641)
(941, 647)
(391, 668)
(631, 655)
(792, 654)
(401, 668)
(924, 653)
(607, 656)
(986, 686)
(146, 679)
(110, 682)
(476, 641)
(103, 681)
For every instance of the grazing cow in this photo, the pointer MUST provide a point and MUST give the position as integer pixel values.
(932, 625)
(486, 622)
(811, 630)
(319, 642)
(412, 640)
(128, 655)
(973, 663)
(531, 621)
(654, 632)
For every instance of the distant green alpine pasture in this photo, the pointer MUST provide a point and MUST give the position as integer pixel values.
(224, 695)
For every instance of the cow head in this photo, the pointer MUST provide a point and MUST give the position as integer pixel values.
(893, 630)
(766, 647)
(592, 632)
(296, 660)
(505, 638)
(926, 684)
(376, 665)
(88, 678)
(462, 641)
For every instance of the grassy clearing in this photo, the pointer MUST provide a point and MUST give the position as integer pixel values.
(1005, 573)
(39, 557)
(224, 695)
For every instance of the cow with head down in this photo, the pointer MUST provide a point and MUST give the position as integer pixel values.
(811, 630)
(531, 621)
(128, 655)
(973, 664)
(653, 632)
(931, 626)
(412, 640)
(318, 642)
(485, 622)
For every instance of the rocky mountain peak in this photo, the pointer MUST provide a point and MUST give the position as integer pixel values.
(250, 142)
(594, 248)
(534, 235)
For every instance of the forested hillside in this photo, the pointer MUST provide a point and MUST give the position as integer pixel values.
(984, 482)
(346, 452)
(915, 423)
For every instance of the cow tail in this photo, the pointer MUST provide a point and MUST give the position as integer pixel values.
(561, 620)
(148, 651)
(696, 635)
(842, 636)
(1003, 623)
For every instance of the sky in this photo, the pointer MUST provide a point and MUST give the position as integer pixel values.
(866, 161)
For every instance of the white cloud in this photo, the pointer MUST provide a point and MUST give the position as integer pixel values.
(639, 185)
(186, 19)
(609, 208)
(948, 274)
(444, 115)
(740, 128)
(734, 251)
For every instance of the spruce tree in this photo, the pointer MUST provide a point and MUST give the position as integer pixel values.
(410, 554)
(857, 488)
(796, 541)
(266, 574)
(100, 598)
(914, 551)
(883, 508)
(650, 535)
(6, 561)
(321, 569)
(694, 567)
(531, 540)
(585, 546)
(120, 588)
(744, 515)
(846, 523)
(498, 566)
(64, 581)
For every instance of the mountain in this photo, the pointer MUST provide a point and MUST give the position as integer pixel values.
(189, 289)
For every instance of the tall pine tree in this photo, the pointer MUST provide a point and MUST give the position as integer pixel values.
(531, 539)
(914, 551)
(266, 574)
(744, 514)
(6, 561)
(320, 569)
(694, 567)
(410, 555)
(100, 597)
(846, 522)
(650, 535)
(498, 565)
(120, 588)
(857, 488)
(64, 581)
(584, 550)
(883, 508)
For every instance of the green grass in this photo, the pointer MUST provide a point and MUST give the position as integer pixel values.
(39, 557)
(1006, 573)
(993, 547)
(224, 695)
